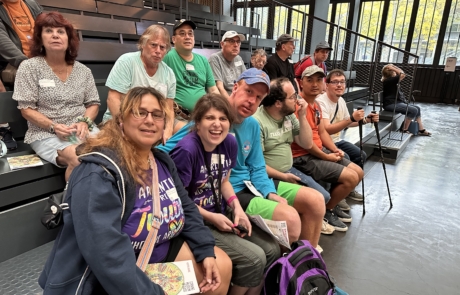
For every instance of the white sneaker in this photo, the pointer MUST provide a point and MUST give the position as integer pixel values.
(326, 228)
(319, 249)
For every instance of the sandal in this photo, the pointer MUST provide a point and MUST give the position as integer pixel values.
(424, 133)
(407, 132)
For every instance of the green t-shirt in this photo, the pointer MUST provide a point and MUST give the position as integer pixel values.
(276, 138)
(193, 78)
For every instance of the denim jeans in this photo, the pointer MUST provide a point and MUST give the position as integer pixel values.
(352, 151)
(413, 111)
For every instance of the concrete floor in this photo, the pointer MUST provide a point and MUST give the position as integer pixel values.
(412, 248)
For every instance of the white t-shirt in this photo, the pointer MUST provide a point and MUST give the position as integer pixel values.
(328, 110)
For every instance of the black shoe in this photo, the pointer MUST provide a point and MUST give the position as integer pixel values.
(344, 217)
(334, 221)
(7, 137)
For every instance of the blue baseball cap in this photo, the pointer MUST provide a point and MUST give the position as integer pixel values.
(253, 76)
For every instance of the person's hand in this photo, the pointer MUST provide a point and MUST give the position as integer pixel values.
(211, 276)
(340, 153)
(374, 117)
(289, 177)
(242, 219)
(276, 198)
(81, 130)
(332, 157)
(303, 106)
(167, 133)
(221, 222)
(63, 131)
(358, 115)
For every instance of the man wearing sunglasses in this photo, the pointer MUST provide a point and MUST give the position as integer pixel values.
(324, 161)
(336, 118)
(226, 64)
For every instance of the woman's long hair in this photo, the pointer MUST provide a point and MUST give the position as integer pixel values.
(111, 135)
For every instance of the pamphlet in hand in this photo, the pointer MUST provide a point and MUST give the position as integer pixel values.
(176, 278)
(277, 229)
(26, 161)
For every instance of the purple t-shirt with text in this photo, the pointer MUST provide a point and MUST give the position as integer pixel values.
(189, 159)
(172, 218)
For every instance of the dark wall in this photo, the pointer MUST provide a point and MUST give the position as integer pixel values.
(436, 86)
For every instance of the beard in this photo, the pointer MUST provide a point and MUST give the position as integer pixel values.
(286, 111)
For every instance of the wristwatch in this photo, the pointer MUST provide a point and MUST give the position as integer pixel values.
(51, 129)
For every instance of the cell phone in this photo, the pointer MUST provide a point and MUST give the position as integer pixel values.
(242, 229)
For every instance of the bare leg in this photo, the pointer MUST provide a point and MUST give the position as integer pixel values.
(309, 203)
(2, 87)
(347, 182)
(407, 123)
(420, 124)
(284, 212)
(223, 263)
(68, 157)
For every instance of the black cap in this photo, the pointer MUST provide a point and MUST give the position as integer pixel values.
(182, 22)
(323, 45)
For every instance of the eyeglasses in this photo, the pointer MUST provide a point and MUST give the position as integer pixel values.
(294, 96)
(157, 115)
(184, 34)
(233, 41)
(318, 117)
(259, 61)
(338, 83)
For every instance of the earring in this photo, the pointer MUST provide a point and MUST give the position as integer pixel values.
(41, 49)
(121, 127)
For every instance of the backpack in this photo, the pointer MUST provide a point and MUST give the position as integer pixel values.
(301, 271)
(299, 63)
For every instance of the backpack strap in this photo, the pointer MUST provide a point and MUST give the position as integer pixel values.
(299, 63)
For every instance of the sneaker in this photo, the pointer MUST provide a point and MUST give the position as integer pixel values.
(343, 205)
(354, 195)
(326, 228)
(7, 137)
(344, 217)
(334, 221)
(319, 249)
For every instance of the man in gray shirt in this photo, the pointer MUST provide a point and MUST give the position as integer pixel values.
(227, 65)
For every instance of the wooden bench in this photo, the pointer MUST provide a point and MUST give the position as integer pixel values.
(135, 13)
(80, 5)
(172, 4)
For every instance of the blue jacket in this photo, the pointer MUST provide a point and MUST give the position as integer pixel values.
(91, 255)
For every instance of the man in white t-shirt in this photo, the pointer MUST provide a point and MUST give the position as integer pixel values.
(336, 118)
(143, 68)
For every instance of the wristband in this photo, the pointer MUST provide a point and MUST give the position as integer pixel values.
(86, 120)
(352, 118)
(230, 200)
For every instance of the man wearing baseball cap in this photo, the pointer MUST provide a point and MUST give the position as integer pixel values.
(226, 64)
(280, 64)
(193, 73)
(258, 194)
(317, 58)
(324, 161)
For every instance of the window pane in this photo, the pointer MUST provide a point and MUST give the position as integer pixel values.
(261, 15)
(370, 20)
(450, 46)
(426, 31)
(281, 14)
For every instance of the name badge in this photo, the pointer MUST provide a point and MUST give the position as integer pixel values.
(46, 83)
(189, 67)
(287, 123)
(290, 61)
(172, 194)
(215, 159)
(238, 63)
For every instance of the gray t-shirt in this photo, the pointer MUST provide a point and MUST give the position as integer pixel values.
(225, 71)
(38, 88)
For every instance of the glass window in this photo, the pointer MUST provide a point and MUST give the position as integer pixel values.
(370, 18)
(450, 46)
(261, 15)
(426, 30)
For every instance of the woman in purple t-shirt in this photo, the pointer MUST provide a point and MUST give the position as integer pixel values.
(111, 208)
(204, 159)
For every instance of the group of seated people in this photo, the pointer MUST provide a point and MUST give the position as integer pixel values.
(206, 142)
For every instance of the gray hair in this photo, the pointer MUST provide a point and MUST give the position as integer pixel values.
(152, 32)
(259, 51)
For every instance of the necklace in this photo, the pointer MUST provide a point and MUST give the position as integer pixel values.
(59, 72)
(20, 23)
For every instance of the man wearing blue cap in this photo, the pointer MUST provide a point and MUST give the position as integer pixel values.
(302, 208)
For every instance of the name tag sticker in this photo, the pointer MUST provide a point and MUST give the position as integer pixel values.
(46, 83)
(238, 63)
(189, 67)
(290, 61)
(172, 194)
(287, 123)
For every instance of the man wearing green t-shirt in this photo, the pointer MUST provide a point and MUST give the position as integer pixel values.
(193, 72)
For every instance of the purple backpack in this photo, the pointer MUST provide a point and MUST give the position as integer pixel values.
(299, 272)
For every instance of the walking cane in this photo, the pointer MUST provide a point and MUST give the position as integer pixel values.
(360, 124)
(376, 125)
